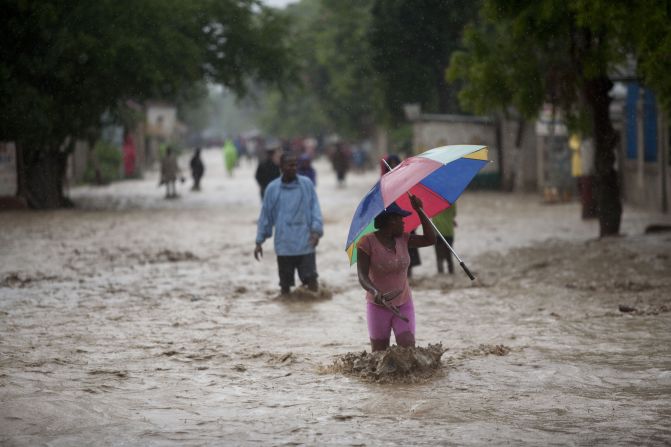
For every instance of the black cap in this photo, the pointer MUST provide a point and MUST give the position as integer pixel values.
(395, 209)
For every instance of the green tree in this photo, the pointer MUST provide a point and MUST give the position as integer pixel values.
(411, 43)
(65, 63)
(343, 54)
(523, 53)
(334, 90)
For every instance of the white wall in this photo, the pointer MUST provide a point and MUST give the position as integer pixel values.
(519, 164)
(161, 120)
(429, 134)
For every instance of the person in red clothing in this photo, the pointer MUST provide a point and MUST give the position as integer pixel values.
(128, 156)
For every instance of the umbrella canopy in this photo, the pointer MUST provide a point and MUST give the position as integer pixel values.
(437, 176)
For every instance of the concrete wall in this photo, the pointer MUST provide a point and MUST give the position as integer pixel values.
(516, 166)
(161, 119)
(443, 130)
(519, 162)
(645, 183)
(434, 132)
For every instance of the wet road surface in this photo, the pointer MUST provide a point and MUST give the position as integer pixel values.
(137, 320)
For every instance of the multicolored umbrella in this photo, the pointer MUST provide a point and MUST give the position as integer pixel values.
(437, 176)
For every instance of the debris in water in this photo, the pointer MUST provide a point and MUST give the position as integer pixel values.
(394, 365)
(19, 279)
(120, 374)
(482, 350)
(173, 256)
(282, 358)
(499, 350)
(650, 310)
(657, 228)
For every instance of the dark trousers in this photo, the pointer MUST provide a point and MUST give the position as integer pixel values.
(586, 188)
(196, 182)
(305, 264)
(444, 254)
(170, 189)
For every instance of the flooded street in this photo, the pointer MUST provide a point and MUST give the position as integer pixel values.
(136, 320)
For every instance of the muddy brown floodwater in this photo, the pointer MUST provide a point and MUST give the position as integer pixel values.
(133, 320)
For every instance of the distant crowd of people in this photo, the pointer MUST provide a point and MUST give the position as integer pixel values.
(343, 157)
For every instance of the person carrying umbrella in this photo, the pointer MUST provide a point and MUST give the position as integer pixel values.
(382, 266)
(387, 164)
(378, 241)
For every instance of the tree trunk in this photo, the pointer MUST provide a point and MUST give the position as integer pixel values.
(43, 172)
(607, 188)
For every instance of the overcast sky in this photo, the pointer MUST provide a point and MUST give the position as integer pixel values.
(278, 3)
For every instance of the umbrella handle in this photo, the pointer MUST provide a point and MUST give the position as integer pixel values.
(468, 272)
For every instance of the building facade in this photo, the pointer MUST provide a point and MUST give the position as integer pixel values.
(644, 156)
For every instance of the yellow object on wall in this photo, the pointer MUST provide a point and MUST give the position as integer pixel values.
(576, 162)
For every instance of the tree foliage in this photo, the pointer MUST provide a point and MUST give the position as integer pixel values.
(65, 63)
(646, 29)
(361, 60)
(335, 90)
(411, 44)
(523, 53)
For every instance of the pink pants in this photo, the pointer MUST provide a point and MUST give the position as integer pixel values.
(381, 321)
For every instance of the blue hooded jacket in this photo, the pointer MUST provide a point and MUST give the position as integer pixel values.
(293, 209)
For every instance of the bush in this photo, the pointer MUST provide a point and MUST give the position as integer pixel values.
(104, 164)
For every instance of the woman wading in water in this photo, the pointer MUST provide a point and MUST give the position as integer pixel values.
(382, 265)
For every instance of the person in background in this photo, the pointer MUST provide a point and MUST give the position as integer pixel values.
(340, 161)
(382, 266)
(393, 160)
(445, 223)
(230, 157)
(305, 168)
(290, 205)
(240, 149)
(129, 156)
(169, 172)
(359, 158)
(267, 170)
(197, 169)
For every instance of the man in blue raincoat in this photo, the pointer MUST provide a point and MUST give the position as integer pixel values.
(290, 205)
